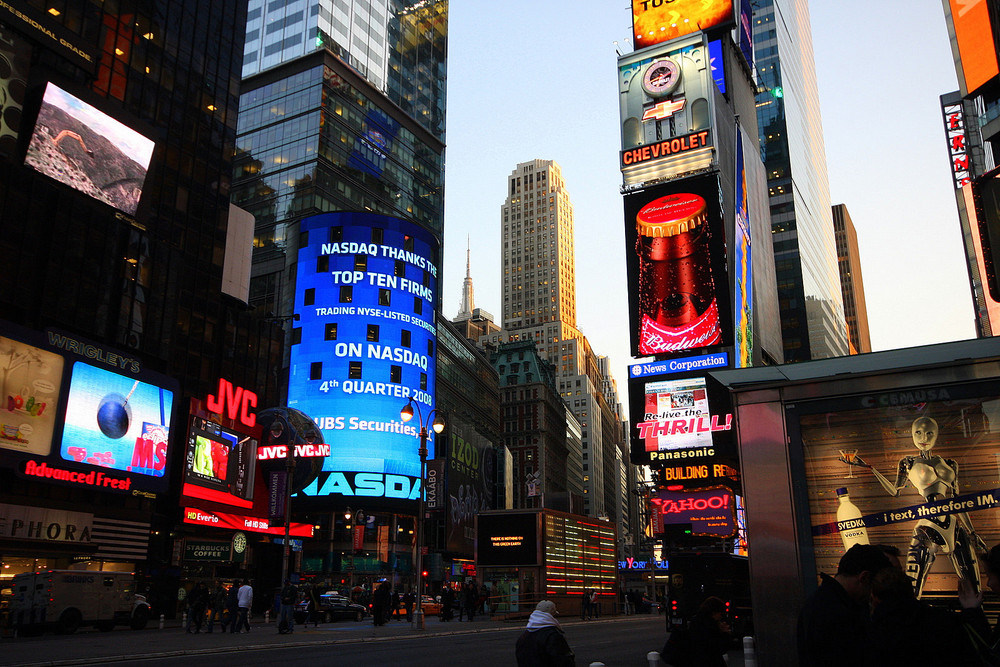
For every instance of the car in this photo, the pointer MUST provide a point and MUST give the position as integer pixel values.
(430, 606)
(332, 607)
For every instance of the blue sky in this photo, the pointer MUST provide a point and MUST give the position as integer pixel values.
(531, 80)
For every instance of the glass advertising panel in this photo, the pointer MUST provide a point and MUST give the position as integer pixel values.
(676, 266)
(471, 470)
(15, 60)
(656, 22)
(507, 540)
(31, 382)
(364, 297)
(677, 419)
(915, 469)
(219, 464)
(88, 150)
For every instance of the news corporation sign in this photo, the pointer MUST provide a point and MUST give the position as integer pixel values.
(681, 365)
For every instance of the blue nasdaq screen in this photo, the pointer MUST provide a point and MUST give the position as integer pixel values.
(364, 346)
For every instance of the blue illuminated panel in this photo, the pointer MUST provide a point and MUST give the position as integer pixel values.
(364, 294)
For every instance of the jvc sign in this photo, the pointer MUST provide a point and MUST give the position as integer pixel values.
(232, 402)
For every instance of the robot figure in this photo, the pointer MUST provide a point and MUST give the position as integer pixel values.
(935, 478)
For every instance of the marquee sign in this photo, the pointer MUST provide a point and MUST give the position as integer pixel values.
(710, 511)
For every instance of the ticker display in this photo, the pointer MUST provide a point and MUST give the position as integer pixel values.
(658, 21)
(363, 346)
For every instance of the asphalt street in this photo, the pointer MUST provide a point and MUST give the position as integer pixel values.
(623, 641)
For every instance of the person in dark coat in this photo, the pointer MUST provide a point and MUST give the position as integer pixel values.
(833, 622)
(470, 599)
(380, 603)
(905, 631)
(217, 605)
(409, 599)
(975, 616)
(197, 599)
(710, 634)
(543, 644)
(447, 603)
(232, 608)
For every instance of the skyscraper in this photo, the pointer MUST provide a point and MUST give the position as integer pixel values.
(791, 138)
(539, 293)
(851, 282)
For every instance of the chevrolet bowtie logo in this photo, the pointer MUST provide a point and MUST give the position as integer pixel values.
(663, 110)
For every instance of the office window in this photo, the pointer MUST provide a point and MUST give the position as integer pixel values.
(395, 374)
(354, 370)
(316, 370)
(330, 332)
(404, 338)
(372, 333)
(384, 297)
(346, 294)
(309, 298)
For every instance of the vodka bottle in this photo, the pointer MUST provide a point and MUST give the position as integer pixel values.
(849, 522)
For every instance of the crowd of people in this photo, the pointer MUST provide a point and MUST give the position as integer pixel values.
(229, 604)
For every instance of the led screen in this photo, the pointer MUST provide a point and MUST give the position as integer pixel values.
(675, 258)
(976, 47)
(363, 346)
(742, 265)
(710, 511)
(118, 422)
(219, 464)
(677, 419)
(31, 380)
(915, 468)
(88, 150)
(656, 22)
(507, 540)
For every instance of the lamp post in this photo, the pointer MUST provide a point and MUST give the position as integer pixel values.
(406, 414)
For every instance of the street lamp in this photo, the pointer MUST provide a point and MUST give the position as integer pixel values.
(406, 414)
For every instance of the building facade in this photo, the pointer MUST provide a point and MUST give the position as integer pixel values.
(852, 284)
(791, 140)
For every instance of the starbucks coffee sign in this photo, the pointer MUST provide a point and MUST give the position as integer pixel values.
(210, 550)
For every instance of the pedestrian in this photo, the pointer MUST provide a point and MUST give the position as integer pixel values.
(484, 600)
(286, 619)
(470, 598)
(543, 644)
(711, 636)
(312, 607)
(217, 605)
(244, 600)
(585, 605)
(908, 631)
(395, 605)
(447, 604)
(409, 599)
(197, 600)
(832, 625)
(380, 603)
(232, 607)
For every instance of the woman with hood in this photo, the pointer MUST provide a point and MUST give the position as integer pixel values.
(543, 644)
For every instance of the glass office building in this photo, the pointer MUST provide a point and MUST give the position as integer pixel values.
(342, 109)
(791, 139)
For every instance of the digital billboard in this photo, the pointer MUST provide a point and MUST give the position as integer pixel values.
(219, 463)
(710, 511)
(658, 21)
(79, 413)
(676, 266)
(976, 48)
(88, 150)
(666, 99)
(117, 421)
(742, 265)
(364, 346)
(31, 383)
(471, 469)
(915, 468)
(15, 59)
(676, 419)
(507, 539)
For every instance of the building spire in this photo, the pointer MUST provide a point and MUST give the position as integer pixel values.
(468, 300)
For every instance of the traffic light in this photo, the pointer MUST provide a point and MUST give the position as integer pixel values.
(425, 573)
(778, 92)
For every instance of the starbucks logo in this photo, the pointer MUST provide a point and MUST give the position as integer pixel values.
(239, 542)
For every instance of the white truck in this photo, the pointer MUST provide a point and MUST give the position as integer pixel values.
(64, 600)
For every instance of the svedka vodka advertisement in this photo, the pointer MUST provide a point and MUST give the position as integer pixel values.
(364, 344)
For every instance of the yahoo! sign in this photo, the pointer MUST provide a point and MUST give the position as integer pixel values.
(710, 511)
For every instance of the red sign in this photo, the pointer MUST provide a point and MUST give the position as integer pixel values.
(359, 537)
(675, 146)
(709, 511)
(233, 401)
(269, 452)
(240, 522)
(958, 150)
(95, 478)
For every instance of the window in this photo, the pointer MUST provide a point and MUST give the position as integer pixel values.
(399, 269)
(404, 338)
(408, 243)
(354, 370)
(309, 298)
(361, 263)
(296, 335)
(372, 333)
(322, 264)
(377, 235)
(430, 348)
(336, 234)
(316, 370)
(384, 297)
(346, 294)
(395, 374)
(418, 305)
(423, 381)
(330, 332)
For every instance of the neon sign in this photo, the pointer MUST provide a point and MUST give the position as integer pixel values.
(663, 110)
(954, 125)
(234, 402)
(633, 564)
(269, 452)
(661, 149)
(708, 510)
(93, 478)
